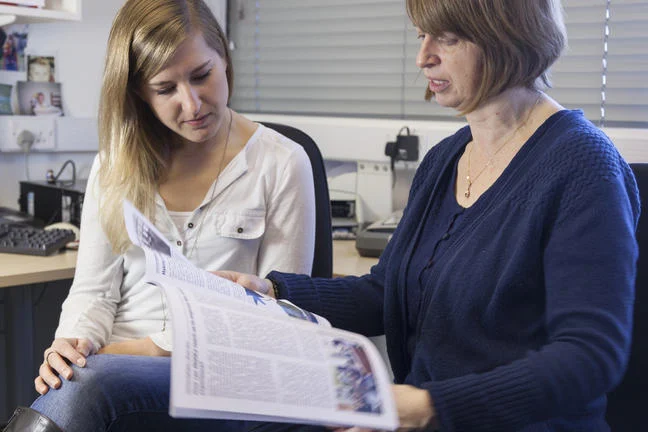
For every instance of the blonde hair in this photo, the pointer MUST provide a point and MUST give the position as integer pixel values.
(134, 145)
(519, 39)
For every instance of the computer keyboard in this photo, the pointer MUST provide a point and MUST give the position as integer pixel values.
(33, 241)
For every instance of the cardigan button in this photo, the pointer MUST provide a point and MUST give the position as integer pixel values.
(239, 230)
(179, 243)
(445, 236)
(190, 225)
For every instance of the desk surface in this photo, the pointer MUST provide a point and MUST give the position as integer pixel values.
(347, 262)
(27, 269)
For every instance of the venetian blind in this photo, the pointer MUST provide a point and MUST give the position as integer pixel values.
(357, 58)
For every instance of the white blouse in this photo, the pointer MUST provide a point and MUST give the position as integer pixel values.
(260, 217)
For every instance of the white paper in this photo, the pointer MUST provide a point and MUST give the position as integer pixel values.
(241, 355)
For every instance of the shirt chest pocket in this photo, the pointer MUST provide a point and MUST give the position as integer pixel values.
(241, 224)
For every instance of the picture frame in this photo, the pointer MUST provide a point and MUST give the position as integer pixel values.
(14, 41)
(5, 99)
(40, 98)
(41, 68)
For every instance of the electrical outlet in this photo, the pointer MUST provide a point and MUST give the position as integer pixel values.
(41, 128)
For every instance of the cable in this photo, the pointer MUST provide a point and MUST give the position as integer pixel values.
(402, 129)
(53, 217)
(40, 295)
(67, 182)
(26, 149)
(393, 154)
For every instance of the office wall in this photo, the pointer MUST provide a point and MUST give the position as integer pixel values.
(362, 141)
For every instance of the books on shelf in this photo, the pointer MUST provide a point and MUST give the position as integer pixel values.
(238, 354)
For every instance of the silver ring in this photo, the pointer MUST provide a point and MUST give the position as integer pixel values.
(46, 355)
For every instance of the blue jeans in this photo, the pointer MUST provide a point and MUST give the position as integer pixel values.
(129, 393)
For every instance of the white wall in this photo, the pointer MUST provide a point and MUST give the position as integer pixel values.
(363, 141)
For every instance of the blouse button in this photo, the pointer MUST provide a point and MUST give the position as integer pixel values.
(239, 230)
(445, 236)
(190, 225)
(179, 243)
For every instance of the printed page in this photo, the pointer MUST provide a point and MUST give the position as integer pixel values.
(232, 362)
(165, 265)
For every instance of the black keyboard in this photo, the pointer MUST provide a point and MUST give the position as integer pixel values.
(33, 241)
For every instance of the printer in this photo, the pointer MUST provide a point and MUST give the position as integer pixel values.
(372, 240)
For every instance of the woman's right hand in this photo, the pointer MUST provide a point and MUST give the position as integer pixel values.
(55, 362)
(248, 281)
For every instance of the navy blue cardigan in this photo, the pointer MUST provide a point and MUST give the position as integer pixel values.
(526, 322)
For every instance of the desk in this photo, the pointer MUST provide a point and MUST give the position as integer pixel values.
(347, 262)
(28, 269)
(18, 270)
(32, 289)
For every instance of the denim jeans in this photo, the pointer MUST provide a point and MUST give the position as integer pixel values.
(129, 393)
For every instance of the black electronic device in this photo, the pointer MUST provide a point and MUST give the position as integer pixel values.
(372, 240)
(53, 202)
(33, 241)
(405, 148)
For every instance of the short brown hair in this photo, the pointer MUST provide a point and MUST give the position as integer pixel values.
(519, 39)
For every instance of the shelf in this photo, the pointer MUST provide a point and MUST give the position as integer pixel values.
(55, 10)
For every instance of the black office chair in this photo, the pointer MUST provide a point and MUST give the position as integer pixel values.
(323, 258)
(627, 403)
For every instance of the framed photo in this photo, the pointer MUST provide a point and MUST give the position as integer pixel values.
(13, 39)
(5, 99)
(41, 68)
(40, 98)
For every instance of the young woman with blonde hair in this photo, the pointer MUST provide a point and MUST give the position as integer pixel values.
(227, 192)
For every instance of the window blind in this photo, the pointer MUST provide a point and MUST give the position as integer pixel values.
(357, 58)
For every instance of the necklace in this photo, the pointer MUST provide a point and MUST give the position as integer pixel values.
(203, 210)
(469, 178)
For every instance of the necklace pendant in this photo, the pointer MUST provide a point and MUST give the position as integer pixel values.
(467, 193)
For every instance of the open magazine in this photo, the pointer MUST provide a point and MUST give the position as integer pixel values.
(239, 354)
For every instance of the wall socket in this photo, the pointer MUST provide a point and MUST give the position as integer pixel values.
(41, 129)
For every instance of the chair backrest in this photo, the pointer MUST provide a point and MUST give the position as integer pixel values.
(323, 258)
(627, 402)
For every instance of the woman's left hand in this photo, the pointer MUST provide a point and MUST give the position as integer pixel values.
(144, 346)
(414, 406)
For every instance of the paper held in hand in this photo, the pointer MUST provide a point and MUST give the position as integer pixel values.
(239, 354)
